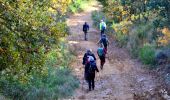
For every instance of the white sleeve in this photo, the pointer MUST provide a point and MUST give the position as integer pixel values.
(105, 25)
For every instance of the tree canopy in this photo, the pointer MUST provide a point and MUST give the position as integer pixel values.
(28, 30)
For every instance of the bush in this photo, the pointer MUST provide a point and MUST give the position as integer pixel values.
(79, 5)
(57, 82)
(28, 32)
(147, 54)
(121, 39)
(133, 45)
(138, 36)
(26, 36)
(97, 16)
(122, 32)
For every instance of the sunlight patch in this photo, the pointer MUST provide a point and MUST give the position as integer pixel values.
(73, 42)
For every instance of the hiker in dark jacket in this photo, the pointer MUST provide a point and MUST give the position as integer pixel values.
(88, 53)
(90, 69)
(89, 60)
(85, 29)
(104, 41)
(101, 53)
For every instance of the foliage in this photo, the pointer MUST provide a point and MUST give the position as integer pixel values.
(28, 29)
(121, 32)
(165, 38)
(137, 11)
(162, 8)
(58, 83)
(121, 39)
(123, 27)
(133, 44)
(97, 16)
(78, 5)
(30, 47)
(147, 54)
(138, 22)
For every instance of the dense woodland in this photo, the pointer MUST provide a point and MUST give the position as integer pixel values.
(34, 55)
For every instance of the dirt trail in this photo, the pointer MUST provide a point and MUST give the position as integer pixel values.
(122, 77)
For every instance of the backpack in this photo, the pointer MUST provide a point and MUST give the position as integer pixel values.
(90, 58)
(92, 67)
(104, 41)
(100, 52)
(103, 26)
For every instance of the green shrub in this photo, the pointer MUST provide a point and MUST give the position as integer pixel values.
(121, 39)
(97, 16)
(133, 43)
(133, 47)
(138, 36)
(147, 54)
(79, 5)
(58, 82)
(122, 32)
(27, 58)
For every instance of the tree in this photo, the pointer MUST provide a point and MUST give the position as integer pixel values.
(28, 29)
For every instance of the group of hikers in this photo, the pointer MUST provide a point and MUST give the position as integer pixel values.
(89, 59)
(102, 27)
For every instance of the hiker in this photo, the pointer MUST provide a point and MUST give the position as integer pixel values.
(101, 53)
(88, 53)
(104, 41)
(89, 61)
(85, 29)
(102, 27)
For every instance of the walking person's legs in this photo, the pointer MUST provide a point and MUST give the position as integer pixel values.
(89, 83)
(93, 84)
(105, 47)
(85, 35)
(102, 32)
(102, 61)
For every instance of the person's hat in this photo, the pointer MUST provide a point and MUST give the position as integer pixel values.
(89, 50)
